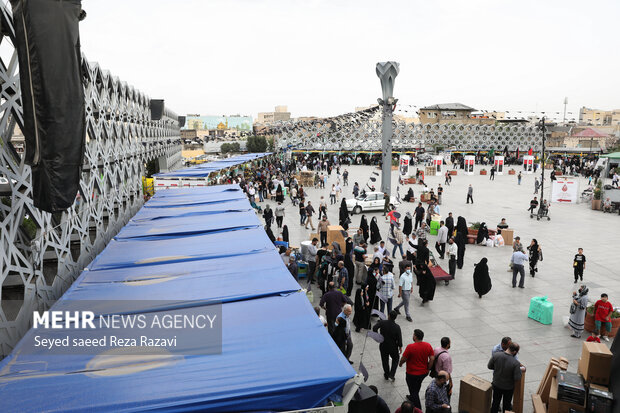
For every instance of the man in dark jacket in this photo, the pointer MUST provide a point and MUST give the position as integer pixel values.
(332, 302)
(392, 344)
(506, 372)
(450, 225)
(342, 331)
(419, 215)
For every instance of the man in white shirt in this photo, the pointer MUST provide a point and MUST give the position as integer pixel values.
(382, 248)
(338, 190)
(251, 192)
(405, 289)
(442, 238)
(387, 289)
(311, 253)
(453, 251)
(279, 213)
(518, 261)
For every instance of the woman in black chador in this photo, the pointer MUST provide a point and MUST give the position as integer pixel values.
(279, 194)
(482, 281)
(364, 228)
(375, 236)
(362, 303)
(427, 283)
(461, 241)
(343, 215)
(407, 224)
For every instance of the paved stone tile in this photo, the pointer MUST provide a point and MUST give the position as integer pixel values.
(475, 325)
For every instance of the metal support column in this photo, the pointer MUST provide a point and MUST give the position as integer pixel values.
(387, 72)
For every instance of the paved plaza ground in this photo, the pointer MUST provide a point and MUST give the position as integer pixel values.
(475, 325)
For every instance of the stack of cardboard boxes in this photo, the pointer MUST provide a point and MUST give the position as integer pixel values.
(564, 392)
(306, 179)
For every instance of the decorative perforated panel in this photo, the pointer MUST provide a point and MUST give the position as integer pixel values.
(354, 132)
(41, 254)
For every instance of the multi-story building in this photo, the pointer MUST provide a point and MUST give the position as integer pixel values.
(597, 117)
(589, 138)
(279, 114)
(453, 113)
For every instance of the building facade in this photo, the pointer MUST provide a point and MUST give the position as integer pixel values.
(453, 113)
(597, 117)
(280, 113)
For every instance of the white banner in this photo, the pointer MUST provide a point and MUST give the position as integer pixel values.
(565, 190)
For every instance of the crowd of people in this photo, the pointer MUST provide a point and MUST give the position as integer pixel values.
(366, 283)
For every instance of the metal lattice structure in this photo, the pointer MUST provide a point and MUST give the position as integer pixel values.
(355, 133)
(41, 254)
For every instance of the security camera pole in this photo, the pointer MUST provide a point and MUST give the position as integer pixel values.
(387, 72)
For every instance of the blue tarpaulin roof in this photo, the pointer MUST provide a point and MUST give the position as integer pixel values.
(204, 169)
(276, 355)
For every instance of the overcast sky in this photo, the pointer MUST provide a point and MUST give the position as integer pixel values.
(217, 57)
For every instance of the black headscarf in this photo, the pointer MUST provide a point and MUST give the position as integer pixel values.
(461, 225)
(375, 236)
(279, 194)
(482, 281)
(360, 318)
(270, 234)
(285, 233)
(461, 241)
(483, 233)
(349, 247)
(533, 249)
(407, 224)
(343, 215)
(427, 283)
(348, 263)
(374, 264)
(364, 227)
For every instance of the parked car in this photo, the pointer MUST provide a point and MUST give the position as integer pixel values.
(369, 201)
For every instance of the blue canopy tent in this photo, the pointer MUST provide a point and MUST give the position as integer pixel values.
(188, 225)
(275, 354)
(255, 275)
(146, 214)
(159, 249)
(204, 169)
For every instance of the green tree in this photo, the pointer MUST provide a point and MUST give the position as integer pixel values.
(256, 144)
(230, 147)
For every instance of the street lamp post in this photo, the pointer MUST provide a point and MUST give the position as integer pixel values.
(542, 177)
(387, 72)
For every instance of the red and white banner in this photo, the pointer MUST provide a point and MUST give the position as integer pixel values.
(565, 190)
(404, 165)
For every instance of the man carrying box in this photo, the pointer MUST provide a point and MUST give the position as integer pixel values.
(602, 314)
(506, 372)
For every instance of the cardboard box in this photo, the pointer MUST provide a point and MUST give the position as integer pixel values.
(539, 406)
(334, 233)
(517, 398)
(508, 235)
(595, 363)
(557, 406)
(475, 395)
